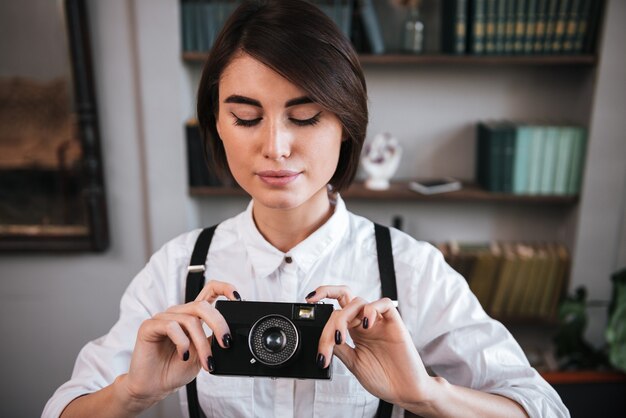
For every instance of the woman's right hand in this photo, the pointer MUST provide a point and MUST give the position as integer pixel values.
(172, 346)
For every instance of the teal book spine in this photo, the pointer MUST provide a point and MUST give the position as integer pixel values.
(454, 26)
(549, 160)
(536, 154)
(578, 158)
(564, 159)
(521, 161)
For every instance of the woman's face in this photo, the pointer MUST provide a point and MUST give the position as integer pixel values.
(281, 147)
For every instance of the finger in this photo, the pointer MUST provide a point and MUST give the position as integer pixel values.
(193, 328)
(374, 311)
(343, 294)
(214, 289)
(209, 315)
(155, 330)
(340, 320)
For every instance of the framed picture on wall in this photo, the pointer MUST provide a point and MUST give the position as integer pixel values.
(52, 194)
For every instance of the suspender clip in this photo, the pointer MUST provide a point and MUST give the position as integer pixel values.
(195, 269)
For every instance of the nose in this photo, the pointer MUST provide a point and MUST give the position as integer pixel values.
(277, 143)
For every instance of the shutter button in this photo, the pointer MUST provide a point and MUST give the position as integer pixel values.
(288, 260)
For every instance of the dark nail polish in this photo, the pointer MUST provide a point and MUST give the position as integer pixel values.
(211, 364)
(186, 356)
(337, 337)
(310, 295)
(237, 295)
(366, 322)
(227, 340)
(321, 360)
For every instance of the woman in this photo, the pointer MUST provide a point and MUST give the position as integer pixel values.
(282, 105)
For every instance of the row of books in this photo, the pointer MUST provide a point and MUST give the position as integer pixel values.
(513, 280)
(203, 19)
(529, 159)
(505, 27)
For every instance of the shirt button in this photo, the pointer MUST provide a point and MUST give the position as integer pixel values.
(288, 260)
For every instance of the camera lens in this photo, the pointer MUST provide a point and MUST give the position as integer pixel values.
(274, 340)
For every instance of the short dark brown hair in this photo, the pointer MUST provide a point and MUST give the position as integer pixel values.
(302, 44)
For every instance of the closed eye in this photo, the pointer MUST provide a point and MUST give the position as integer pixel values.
(306, 122)
(245, 122)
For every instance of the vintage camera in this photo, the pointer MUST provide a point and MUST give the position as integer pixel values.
(272, 339)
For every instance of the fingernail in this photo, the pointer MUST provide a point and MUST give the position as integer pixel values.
(211, 363)
(366, 322)
(186, 356)
(310, 295)
(237, 295)
(320, 360)
(337, 337)
(227, 340)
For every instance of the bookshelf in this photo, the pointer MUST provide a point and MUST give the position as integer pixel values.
(399, 190)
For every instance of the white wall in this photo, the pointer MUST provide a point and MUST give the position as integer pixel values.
(50, 305)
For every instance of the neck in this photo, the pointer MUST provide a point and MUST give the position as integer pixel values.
(286, 228)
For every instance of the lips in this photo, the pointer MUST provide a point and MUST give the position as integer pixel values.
(278, 177)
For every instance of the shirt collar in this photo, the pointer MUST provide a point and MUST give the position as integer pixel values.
(265, 258)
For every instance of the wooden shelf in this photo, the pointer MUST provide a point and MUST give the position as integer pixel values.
(400, 191)
(528, 60)
(583, 376)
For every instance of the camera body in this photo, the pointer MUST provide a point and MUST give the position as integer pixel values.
(272, 339)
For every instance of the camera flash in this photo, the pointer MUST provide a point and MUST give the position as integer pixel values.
(306, 312)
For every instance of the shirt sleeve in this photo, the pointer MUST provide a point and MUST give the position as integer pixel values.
(102, 360)
(460, 342)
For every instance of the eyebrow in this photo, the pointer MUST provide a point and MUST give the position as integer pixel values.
(235, 98)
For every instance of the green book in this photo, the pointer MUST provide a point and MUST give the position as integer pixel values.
(501, 15)
(578, 157)
(509, 39)
(477, 27)
(200, 25)
(536, 158)
(548, 163)
(521, 161)
(531, 25)
(187, 25)
(504, 281)
(483, 276)
(560, 27)
(581, 26)
(551, 19)
(490, 26)
(571, 27)
(454, 26)
(490, 155)
(520, 27)
(563, 159)
(508, 137)
(540, 26)
(519, 285)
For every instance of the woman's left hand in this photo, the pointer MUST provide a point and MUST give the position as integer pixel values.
(384, 358)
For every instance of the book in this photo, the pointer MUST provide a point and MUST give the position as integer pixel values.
(548, 162)
(490, 26)
(509, 27)
(521, 281)
(187, 25)
(476, 19)
(520, 26)
(537, 143)
(501, 16)
(581, 26)
(483, 275)
(521, 160)
(372, 26)
(573, 19)
(564, 159)
(434, 186)
(594, 20)
(531, 25)
(508, 137)
(577, 162)
(540, 26)
(454, 26)
(200, 168)
(504, 281)
(551, 20)
(560, 26)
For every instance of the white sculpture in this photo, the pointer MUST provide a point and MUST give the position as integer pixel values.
(380, 160)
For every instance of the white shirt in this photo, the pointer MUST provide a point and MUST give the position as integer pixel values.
(454, 336)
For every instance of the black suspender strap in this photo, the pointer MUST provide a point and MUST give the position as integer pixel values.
(388, 287)
(193, 286)
(195, 283)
